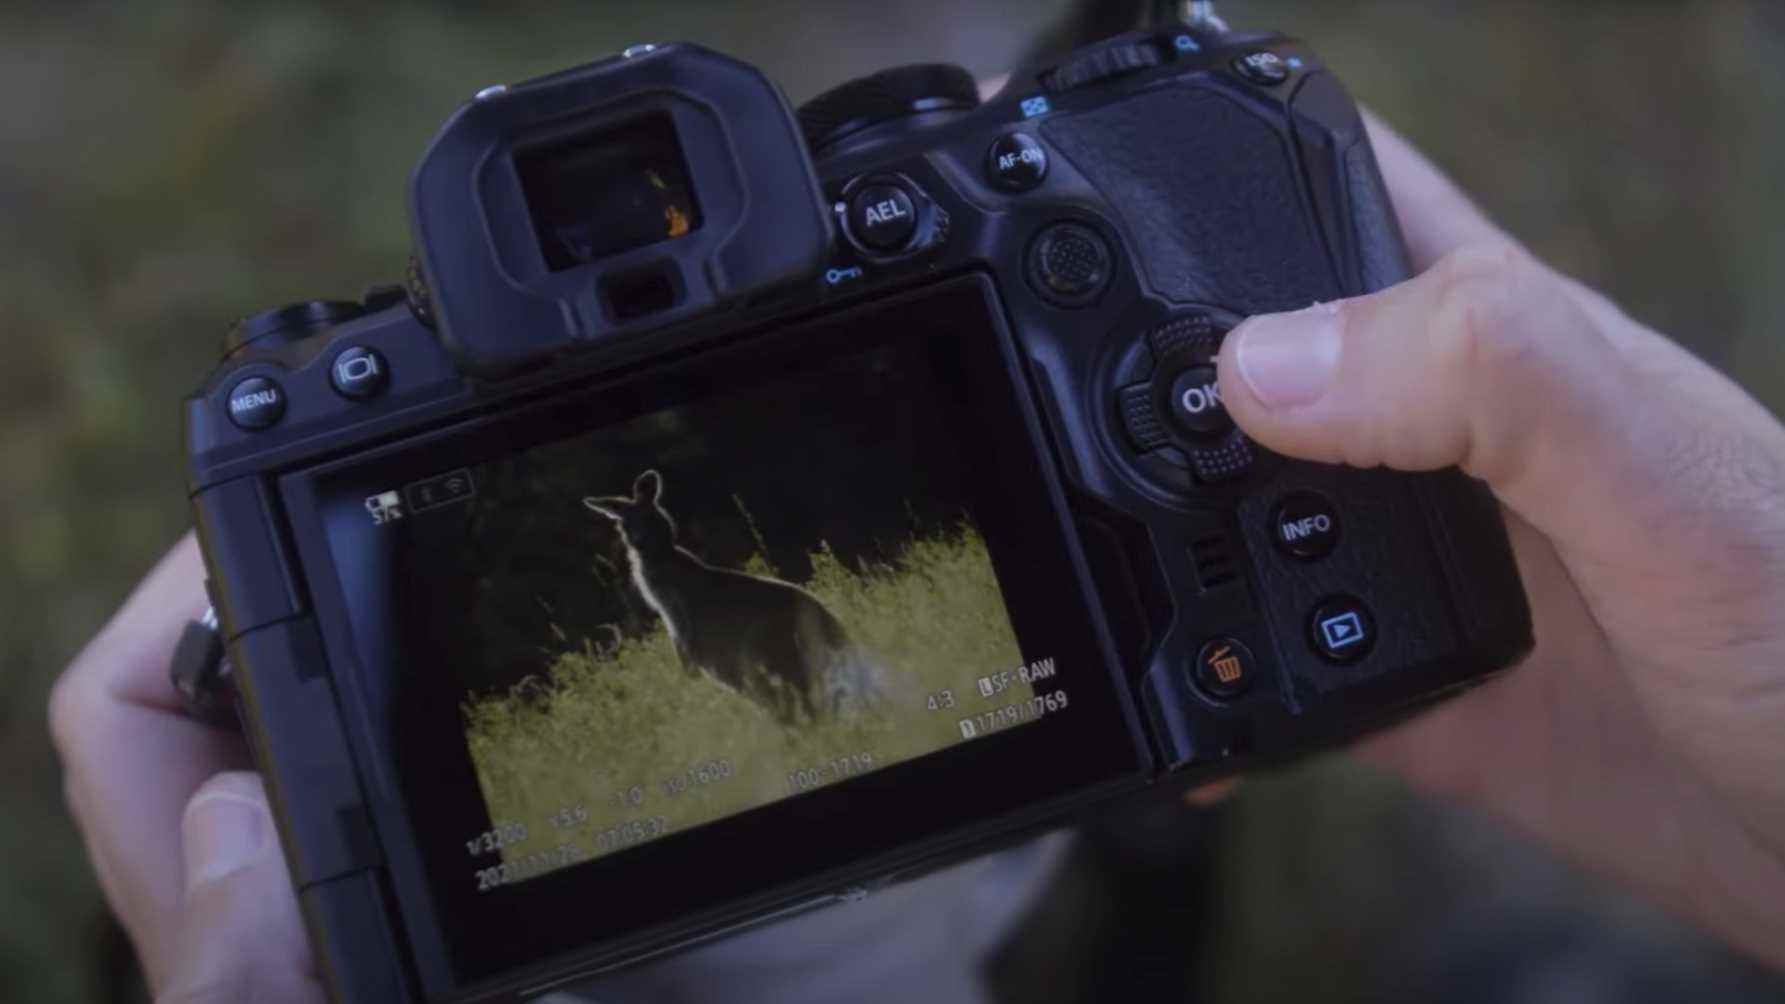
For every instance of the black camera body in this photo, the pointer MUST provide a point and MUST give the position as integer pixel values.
(736, 511)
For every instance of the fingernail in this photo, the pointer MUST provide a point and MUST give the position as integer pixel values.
(1288, 360)
(224, 834)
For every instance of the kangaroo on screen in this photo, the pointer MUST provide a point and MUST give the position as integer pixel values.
(763, 637)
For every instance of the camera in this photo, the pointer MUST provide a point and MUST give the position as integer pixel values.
(736, 509)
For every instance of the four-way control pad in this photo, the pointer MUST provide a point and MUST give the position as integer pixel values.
(1168, 400)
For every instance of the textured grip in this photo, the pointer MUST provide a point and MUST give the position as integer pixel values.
(1464, 519)
(1347, 190)
(295, 727)
(1381, 253)
(1208, 192)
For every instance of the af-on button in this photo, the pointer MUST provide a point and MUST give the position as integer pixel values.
(1016, 162)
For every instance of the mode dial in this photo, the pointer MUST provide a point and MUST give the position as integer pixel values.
(884, 97)
(290, 322)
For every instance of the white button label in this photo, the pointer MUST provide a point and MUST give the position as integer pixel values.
(1197, 400)
(251, 401)
(885, 211)
(1307, 526)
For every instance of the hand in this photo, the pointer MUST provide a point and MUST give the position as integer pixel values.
(1645, 736)
(182, 839)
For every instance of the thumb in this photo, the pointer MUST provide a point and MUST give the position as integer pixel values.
(1487, 361)
(240, 937)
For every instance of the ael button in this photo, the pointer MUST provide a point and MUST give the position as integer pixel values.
(1016, 162)
(883, 217)
(256, 403)
(1224, 668)
(1342, 629)
(1305, 525)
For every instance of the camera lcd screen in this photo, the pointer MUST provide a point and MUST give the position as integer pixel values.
(709, 607)
(800, 602)
(595, 196)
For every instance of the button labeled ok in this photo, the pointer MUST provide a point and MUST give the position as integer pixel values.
(1195, 403)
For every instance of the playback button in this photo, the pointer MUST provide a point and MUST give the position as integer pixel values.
(1342, 629)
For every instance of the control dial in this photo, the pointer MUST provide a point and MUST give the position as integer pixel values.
(886, 96)
(1101, 62)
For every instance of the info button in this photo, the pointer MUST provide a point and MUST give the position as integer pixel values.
(1305, 525)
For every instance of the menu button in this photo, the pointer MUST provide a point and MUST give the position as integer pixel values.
(256, 403)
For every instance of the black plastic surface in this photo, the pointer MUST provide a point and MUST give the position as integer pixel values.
(247, 561)
(300, 742)
(355, 946)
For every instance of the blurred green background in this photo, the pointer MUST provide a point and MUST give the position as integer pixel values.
(164, 169)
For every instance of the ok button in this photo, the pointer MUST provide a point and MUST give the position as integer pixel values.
(1195, 404)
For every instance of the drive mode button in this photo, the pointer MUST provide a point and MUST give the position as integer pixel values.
(882, 217)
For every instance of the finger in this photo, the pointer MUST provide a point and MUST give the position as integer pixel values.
(1487, 362)
(126, 795)
(125, 661)
(1436, 216)
(1205, 796)
(1491, 362)
(131, 759)
(240, 935)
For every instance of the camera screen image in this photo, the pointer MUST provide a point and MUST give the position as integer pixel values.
(708, 608)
